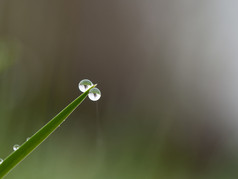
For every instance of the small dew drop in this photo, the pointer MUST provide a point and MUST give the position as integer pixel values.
(1, 160)
(84, 85)
(15, 147)
(27, 138)
(94, 94)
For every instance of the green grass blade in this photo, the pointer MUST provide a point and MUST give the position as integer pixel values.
(26, 148)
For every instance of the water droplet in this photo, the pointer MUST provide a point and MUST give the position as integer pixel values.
(94, 94)
(27, 138)
(84, 85)
(15, 147)
(1, 160)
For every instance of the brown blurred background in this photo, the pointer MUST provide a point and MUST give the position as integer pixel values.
(167, 71)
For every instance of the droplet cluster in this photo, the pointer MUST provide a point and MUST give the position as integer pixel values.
(94, 93)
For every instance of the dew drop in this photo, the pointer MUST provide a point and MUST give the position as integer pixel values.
(15, 147)
(94, 94)
(1, 160)
(27, 138)
(84, 85)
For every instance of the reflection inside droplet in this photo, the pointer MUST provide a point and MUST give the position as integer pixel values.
(94, 94)
(84, 85)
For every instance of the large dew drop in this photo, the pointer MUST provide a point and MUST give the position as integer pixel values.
(84, 85)
(1, 160)
(15, 147)
(94, 94)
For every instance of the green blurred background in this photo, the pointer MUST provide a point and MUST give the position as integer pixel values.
(167, 70)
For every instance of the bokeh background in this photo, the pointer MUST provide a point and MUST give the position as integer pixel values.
(167, 70)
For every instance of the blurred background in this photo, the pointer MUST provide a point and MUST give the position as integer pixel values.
(167, 70)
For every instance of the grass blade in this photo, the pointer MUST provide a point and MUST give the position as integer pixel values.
(26, 148)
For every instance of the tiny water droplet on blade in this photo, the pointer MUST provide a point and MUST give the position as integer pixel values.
(1, 160)
(94, 94)
(15, 147)
(84, 85)
(27, 138)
